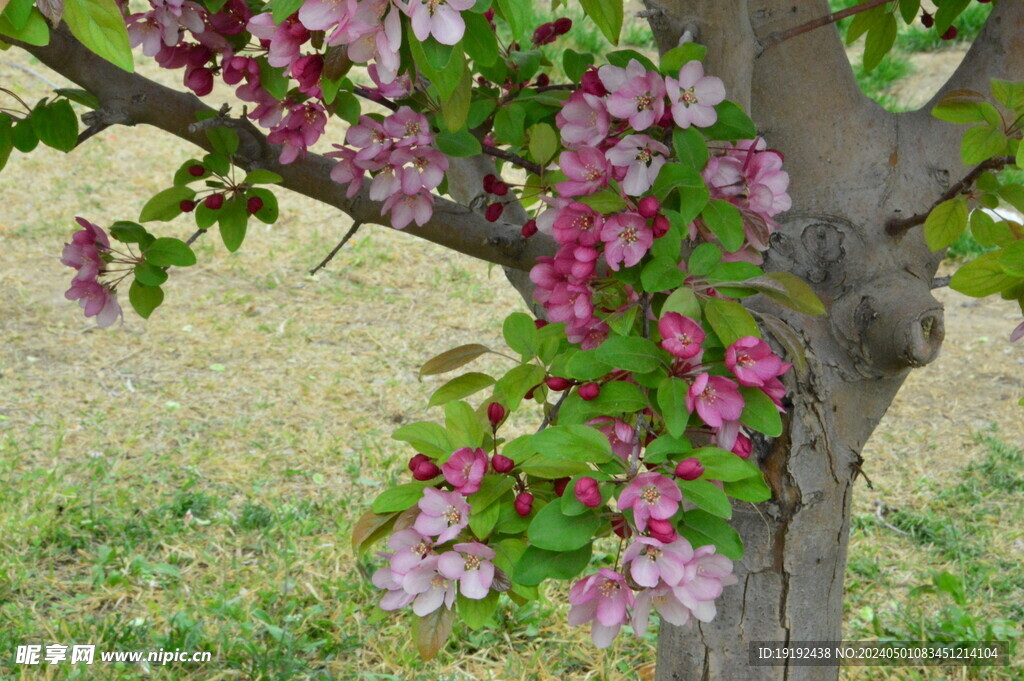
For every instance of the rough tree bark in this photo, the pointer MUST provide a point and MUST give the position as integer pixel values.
(853, 167)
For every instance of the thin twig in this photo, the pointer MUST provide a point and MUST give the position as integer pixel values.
(514, 159)
(374, 97)
(781, 36)
(896, 227)
(93, 129)
(330, 256)
(192, 239)
(551, 415)
(941, 282)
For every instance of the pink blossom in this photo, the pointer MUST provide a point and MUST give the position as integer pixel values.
(84, 251)
(386, 183)
(443, 514)
(650, 495)
(651, 561)
(405, 208)
(96, 300)
(602, 599)
(231, 19)
(665, 600)
(396, 596)
(613, 78)
(587, 170)
(397, 88)
(421, 168)
(752, 361)
(680, 335)
(715, 398)
(438, 18)
(466, 469)
(620, 434)
(372, 140)
(285, 39)
(640, 99)
(410, 549)
(307, 71)
(432, 588)
(408, 128)
(470, 564)
(346, 171)
(300, 129)
(774, 389)
(583, 121)
(694, 96)
(627, 238)
(577, 223)
(642, 157)
(332, 16)
(377, 38)
(706, 575)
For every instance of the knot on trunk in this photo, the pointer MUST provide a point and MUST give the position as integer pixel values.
(889, 325)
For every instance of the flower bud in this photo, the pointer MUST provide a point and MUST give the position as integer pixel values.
(544, 34)
(589, 391)
(588, 492)
(187, 206)
(495, 413)
(493, 212)
(530, 228)
(592, 85)
(560, 484)
(649, 206)
(927, 20)
(950, 33)
(661, 226)
(662, 530)
(557, 383)
(214, 201)
(524, 503)
(499, 188)
(254, 205)
(426, 470)
(689, 469)
(196, 170)
(563, 26)
(542, 80)
(502, 464)
(417, 460)
(489, 181)
(743, 446)
(540, 323)
(621, 527)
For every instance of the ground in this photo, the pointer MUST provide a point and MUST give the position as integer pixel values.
(191, 481)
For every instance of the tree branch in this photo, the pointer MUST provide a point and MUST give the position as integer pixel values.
(831, 18)
(131, 99)
(514, 159)
(896, 227)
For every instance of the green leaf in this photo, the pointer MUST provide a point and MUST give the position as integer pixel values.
(543, 142)
(463, 425)
(86, 99)
(862, 22)
(450, 360)
(552, 530)
(224, 140)
(608, 15)
(964, 106)
(347, 107)
(168, 251)
(273, 79)
(144, 298)
(477, 613)
(509, 124)
(702, 528)
(23, 136)
(630, 353)
(521, 333)
(455, 108)
(947, 13)
(880, 40)
(426, 437)
(1012, 259)
(479, 40)
(730, 320)
(605, 201)
(6, 139)
(261, 176)
(514, 385)
(479, 111)
(684, 301)
(483, 519)
(234, 219)
(1009, 94)
(688, 182)
(441, 64)
(17, 11)
(678, 57)
(703, 258)
(459, 387)
(35, 32)
(759, 412)
(1013, 194)
(909, 9)
(492, 487)
(704, 494)
(461, 144)
(981, 277)
(128, 232)
(585, 366)
(945, 223)
(725, 221)
(672, 402)
(269, 212)
(987, 232)
(662, 274)
(691, 149)
(733, 124)
(536, 564)
(282, 9)
(517, 15)
(981, 143)
(616, 398)
(149, 274)
(575, 64)
(542, 467)
(399, 498)
(720, 464)
(56, 125)
(164, 206)
(573, 443)
(622, 58)
(752, 489)
(789, 290)
(99, 25)
(665, 447)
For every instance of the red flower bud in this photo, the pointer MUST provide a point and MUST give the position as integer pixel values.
(540, 323)
(214, 201)
(743, 446)
(544, 34)
(427, 470)
(495, 413)
(417, 460)
(563, 26)
(524, 503)
(493, 212)
(499, 188)
(196, 170)
(649, 206)
(560, 484)
(662, 530)
(689, 469)
(489, 15)
(588, 492)
(927, 20)
(661, 226)
(530, 228)
(254, 205)
(543, 80)
(502, 464)
(489, 181)
(187, 206)
(529, 393)
(621, 527)
(589, 391)
(592, 85)
(557, 383)
(950, 33)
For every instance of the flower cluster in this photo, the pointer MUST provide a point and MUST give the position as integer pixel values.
(398, 150)
(89, 254)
